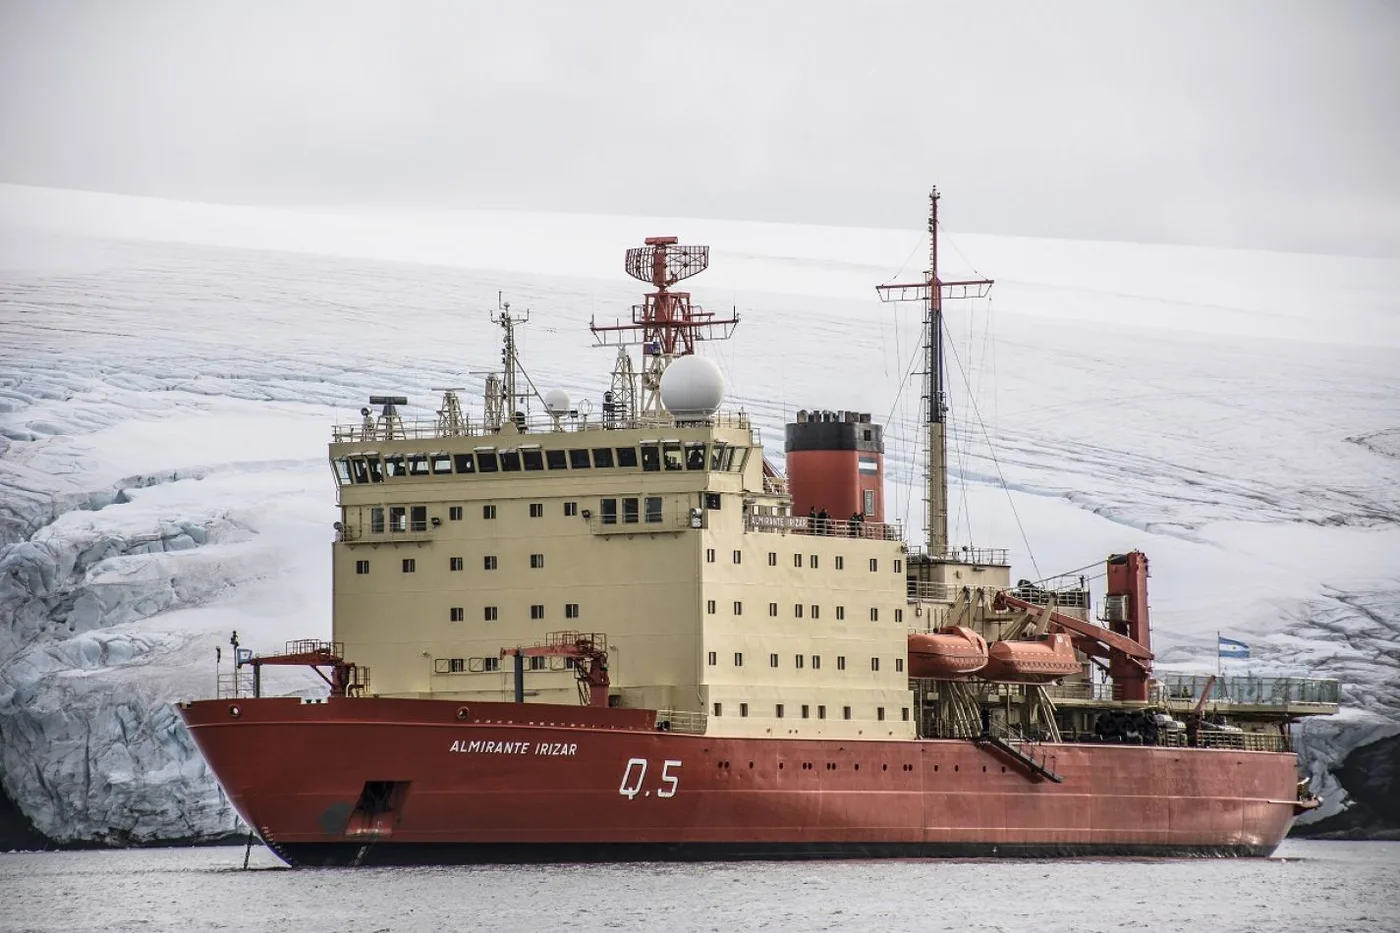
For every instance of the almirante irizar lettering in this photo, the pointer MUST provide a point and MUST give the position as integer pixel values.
(514, 748)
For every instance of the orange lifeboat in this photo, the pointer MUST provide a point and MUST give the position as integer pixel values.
(948, 653)
(1036, 661)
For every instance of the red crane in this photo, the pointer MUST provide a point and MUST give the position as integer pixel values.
(589, 652)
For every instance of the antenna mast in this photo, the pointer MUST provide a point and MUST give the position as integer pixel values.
(666, 324)
(510, 363)
(933, 291)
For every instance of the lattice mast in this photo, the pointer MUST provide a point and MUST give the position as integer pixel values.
(514, 401)
(666, 325)
(933, 291)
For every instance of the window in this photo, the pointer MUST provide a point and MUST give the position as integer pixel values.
(904, 713)
(797, 661)
(899, 615)
(845, 712)
(719, 709)
(880, 713)
(454, 513)
(457, 665)
(738, 659)
(629, 510)
(651, 458)
(874, 564)
(816, 611)
(536, 561)
(695, 456)
(804, 710)
(743, 709)
(510, 461)
(342, 471)
(486, 461)
(490, 664)
(454, 563)
(394, 466)
(603, 457)
(491, 614)
(713, 658)
(840, 662)
(410, 565)
(812, 561)
(457, 614)
(539, 664)
(778, 711)
(816, 662)
(671, 456)
(773, 609)
(442, 463)
(398, 519)
(899, 665)
(571, 610)
(626, 456)
(488, 512)
(418, 518)
(570, 509)
(772, 660)
(709, 555)
(738, 608)
(464, 463)
(362, 566)
(376, 521)
(738, 557)
(899, 566)
(874, 614)
(537, 510)
(840, 562)
(874, 664)
(533, 460)
(607, 510)
(772, 558)
(556, 460)
(821, 712)
(578, 459)
(653, 510)
(489, 562)
(710, 606)
(418, 465)
(797, 560)
(537, 611)
(797, 611)
(840, 613)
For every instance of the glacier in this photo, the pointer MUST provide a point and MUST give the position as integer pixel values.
(169, 372)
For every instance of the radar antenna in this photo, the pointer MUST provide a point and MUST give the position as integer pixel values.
(666, 325)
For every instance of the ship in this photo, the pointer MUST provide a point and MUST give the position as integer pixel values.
(566, 632)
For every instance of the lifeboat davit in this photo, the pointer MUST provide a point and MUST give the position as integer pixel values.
(951, 652)
(1035, 661)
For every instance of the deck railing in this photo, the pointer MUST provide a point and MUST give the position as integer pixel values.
(997, 556)
(828, 527)
(681, 720)
(538, 423)
(1251, 691)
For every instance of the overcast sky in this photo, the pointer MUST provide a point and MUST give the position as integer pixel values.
(1269, 124)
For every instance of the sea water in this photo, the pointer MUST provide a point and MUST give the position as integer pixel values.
(1307, 886)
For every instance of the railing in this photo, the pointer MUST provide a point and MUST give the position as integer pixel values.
(775, 486)
(432, 429)
(830, 527)
(235, 685)
(1251, 691)
(681, 720)
(1080, 691)
(998, 556)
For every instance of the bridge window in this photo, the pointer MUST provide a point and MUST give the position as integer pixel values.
(359, 473)
(418, 465)
(342, 471)
(376, 521)
(532, 460)
(603, 457)
(651, 458)
(717, 456)
(626, 457)
(465, 463)
(442, 463)
(556, 460)
(394, 467)
(486, 462)
(695, 456)
(510, 461)
(653, 507)
(376, 474)
(671, 455)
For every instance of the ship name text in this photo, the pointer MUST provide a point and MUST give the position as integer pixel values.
(486, 747)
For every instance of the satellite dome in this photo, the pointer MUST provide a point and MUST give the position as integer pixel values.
(557, 401)
(692, 388)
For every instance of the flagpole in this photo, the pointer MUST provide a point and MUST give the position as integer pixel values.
(1219, 669)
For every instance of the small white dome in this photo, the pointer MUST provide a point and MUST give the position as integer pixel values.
(557, 401)
(692, 388)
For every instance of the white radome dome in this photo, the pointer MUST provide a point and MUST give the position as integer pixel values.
(557, 401)
(692, 388)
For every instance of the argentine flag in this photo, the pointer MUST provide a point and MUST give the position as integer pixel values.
(1229, 648)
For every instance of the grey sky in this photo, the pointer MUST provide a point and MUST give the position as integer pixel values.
(1267, 124)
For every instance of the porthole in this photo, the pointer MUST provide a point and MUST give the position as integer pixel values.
(463, 712)
(234, 711)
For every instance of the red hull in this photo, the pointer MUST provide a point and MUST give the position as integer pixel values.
(506, 782)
